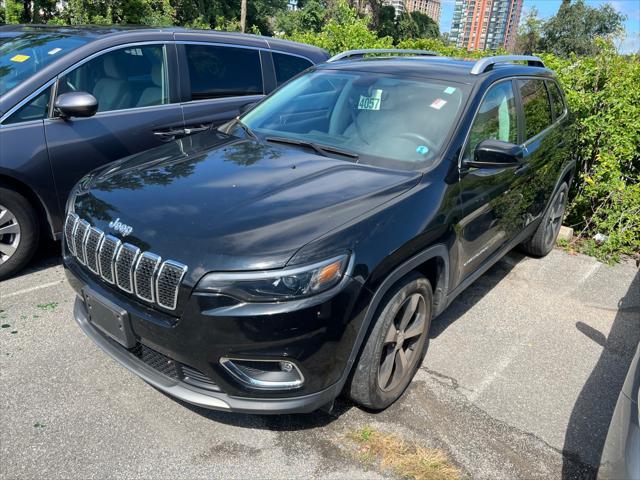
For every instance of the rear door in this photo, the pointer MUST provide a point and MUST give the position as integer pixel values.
(137, 110)
(541, 141)
(218, 80)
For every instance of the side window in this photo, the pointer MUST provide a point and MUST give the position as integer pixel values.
(535, 102)
(288, 66)
(127, 78)
(496, 118)
(36, 109)
(556, 99)
(217, 72)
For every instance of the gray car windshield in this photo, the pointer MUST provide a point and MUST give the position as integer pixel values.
(28, 53)
(383, 120)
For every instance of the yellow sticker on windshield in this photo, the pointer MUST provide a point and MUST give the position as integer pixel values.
(372, 102)
(19, 58)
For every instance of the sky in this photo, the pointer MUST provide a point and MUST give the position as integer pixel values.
(548, 8)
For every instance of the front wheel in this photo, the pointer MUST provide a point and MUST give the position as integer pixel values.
(396, 345)
(544, 238)
(19, 232)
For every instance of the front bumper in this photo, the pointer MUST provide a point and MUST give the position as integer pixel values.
(195, 396)
(318, 339)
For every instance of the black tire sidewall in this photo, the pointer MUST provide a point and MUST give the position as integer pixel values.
(29, 231)
(364, 388)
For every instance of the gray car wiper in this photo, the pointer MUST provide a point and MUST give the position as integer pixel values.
(320, 149)
(244, 126)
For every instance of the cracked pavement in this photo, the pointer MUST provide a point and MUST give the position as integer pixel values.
(520, 381)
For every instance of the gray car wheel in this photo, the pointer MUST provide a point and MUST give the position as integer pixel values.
(19, 232)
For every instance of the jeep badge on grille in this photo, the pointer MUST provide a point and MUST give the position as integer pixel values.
(120, 227)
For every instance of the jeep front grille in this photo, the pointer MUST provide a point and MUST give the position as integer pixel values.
(124, 265)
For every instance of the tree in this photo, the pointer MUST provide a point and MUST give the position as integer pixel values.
(576, 26)
(529, 33)
(387, 21)
(243, 15)
(310, 17)
(415, 25)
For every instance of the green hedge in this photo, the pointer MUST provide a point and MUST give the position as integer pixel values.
(603, 93)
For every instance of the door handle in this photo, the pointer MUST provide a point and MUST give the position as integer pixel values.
(196, 128)
(168, 135)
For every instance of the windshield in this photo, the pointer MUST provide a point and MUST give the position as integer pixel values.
(28, 53)
(383, 119)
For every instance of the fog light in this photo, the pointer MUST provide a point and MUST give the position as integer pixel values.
(264, 374)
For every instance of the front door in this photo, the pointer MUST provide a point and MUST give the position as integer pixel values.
(136, 111)
(492, 199)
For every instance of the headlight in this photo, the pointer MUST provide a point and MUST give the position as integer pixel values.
(276, 285)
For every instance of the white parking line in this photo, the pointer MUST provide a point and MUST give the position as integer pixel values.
(27, 290)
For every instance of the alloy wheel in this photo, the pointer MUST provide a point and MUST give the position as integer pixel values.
(9, 234)
(555, 217)
(399, 352)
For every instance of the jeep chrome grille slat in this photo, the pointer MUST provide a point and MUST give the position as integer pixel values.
(124, 265)
(91, 248)
(167, 283)
(125, 261)
(106, 257)
(69, 227)
(79, 237)
(145, 272)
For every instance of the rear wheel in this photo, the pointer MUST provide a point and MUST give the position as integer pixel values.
(396, 345)
(544, 238)
(19, 232)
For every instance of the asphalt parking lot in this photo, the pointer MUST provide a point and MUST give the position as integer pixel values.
(520, 381)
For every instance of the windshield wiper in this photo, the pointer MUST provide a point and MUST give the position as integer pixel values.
(319, 149)
(244, 126)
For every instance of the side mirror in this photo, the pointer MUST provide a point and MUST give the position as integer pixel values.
(496, 154)
(76, 104)
(245, 108)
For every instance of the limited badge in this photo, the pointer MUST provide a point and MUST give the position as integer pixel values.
(372, 102)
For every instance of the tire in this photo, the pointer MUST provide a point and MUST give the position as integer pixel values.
(19, 232)
(375, 382)
(544, 238)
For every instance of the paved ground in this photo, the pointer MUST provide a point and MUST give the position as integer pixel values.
(520, 381)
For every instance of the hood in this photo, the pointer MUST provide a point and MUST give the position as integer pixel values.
(215, 202)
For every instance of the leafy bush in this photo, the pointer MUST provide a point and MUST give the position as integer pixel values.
(603, 94)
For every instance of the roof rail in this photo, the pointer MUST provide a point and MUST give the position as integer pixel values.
(367, 51)
(487, 63)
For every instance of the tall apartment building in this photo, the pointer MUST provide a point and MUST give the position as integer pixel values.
(428, 7)
(485, 24)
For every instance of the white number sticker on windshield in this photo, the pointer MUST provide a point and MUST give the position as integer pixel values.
(370, 103)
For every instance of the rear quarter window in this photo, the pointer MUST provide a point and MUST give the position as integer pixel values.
(556, 99)
(288, 66)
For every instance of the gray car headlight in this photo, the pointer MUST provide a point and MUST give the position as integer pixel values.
(277, 285)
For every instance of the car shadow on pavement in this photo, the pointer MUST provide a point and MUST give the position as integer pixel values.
(593, 410)
(475, 292)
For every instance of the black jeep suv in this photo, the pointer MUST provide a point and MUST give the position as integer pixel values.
(302, 249)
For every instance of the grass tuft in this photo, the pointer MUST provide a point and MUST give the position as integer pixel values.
(405, 459)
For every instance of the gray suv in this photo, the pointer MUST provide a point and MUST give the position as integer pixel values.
(73, 99)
